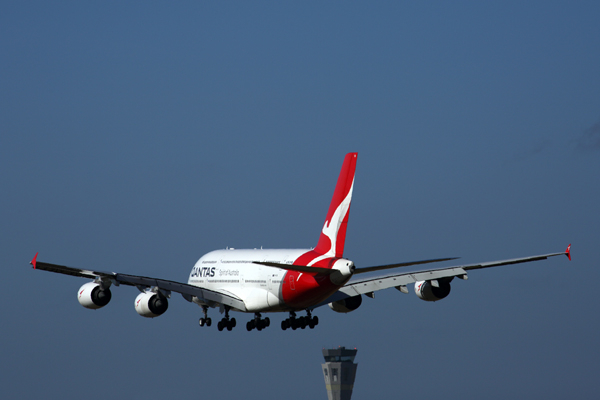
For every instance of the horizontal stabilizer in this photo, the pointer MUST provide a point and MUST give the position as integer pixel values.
(300, 268)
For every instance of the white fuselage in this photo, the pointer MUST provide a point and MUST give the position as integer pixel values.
(233, 271)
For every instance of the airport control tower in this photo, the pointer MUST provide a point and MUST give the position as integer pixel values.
(339, 372)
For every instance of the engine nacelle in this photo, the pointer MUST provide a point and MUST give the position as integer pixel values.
(425, 290)
(343, 271)
(92, 296)
(150, 304)
(346, 305)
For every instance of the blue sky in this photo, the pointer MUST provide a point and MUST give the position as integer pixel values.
(136, 137)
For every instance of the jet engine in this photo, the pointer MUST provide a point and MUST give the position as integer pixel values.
(346, 305)
(93, 296)
(150, 304)
(433, 290)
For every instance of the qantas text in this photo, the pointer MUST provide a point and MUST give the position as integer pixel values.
(204, 272)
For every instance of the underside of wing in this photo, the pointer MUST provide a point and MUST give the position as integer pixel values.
(368, 286)
(146, 283)
(61, 269)
(187, 291)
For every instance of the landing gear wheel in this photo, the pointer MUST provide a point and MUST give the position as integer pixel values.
(225, 322)
(258, 323)
(205, 321)
(284, 325)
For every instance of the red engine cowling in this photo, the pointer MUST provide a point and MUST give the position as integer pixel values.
(425, 290)
(346, 305)
(150, 304)
(92, 296)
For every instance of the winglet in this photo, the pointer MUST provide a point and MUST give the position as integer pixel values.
(568, 251)
(34, 260)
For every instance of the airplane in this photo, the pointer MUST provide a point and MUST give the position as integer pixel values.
(258, 281)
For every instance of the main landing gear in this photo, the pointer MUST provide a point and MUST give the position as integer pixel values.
(205, 321)
(226, 322)
(302, 322)
(258, 323)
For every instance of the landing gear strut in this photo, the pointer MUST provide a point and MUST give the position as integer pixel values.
(258, 323)
(205, 321)
(302, 322)
(226, 322)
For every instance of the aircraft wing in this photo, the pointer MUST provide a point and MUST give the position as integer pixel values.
(368, 286)
(143, 282)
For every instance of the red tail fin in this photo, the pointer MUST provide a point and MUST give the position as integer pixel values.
(333, 235)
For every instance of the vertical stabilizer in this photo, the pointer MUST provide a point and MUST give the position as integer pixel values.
(333, 235)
